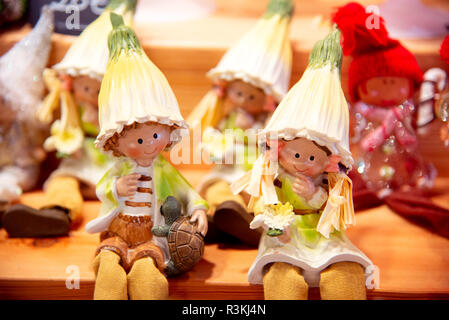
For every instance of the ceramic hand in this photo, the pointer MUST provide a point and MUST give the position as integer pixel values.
(39, 154)
(285, 236)
(244, 120)
(200, 216)
(127, 185)
(304, 186)
(90, 114)
(77, 155)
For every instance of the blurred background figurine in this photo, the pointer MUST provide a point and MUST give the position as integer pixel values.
(142, 195)
(434, 96)
(11, 10)
(383, 77)
(73, 85)
(249, 81)
(21, 94)
(301, 194)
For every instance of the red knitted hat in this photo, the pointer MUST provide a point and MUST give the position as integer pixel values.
(444, 51)
(374, 53)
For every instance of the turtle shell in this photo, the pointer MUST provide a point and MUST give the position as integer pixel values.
(185, 243)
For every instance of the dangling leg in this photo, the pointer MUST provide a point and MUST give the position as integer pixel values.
(229, 213)
(110, 282)
(284, 281)
(64, 192)
(343, 281)
(146, 282)
(61, 209)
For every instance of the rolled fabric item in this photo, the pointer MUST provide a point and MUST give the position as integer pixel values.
(412, 205)
(363, 197)
(420, 210)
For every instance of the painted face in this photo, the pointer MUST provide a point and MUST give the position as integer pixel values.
(385, 91)
(243, 95)
(303, 156)
(145, 142)
(86, 90)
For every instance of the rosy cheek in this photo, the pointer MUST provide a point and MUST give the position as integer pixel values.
(133, 152)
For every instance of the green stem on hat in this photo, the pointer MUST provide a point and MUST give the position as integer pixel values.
(130, 4)
(284, 8)
(327, 51)
(121, 38)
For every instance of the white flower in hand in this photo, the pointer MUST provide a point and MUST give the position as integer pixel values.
(275, 219)
(63, 139)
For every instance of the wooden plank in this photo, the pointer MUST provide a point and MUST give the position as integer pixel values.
(413, 262)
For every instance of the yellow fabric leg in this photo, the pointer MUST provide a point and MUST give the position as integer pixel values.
(110, 282)
(146, 282)
(284, 281)
(220, 192)
(343, 281)
(64, 192)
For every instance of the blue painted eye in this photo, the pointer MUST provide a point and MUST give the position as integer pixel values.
(312, 158)
(297, 155)
(155, 136)
(140, 141)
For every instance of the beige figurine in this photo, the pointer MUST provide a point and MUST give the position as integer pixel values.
(73, 84)
(301, 194)
(21, 134)
(249, 81)
(143, 196)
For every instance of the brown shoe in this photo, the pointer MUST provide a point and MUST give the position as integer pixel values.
(3, 207)
(232, 218)
(21, 221)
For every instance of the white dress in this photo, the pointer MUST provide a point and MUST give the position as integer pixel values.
(307, 249)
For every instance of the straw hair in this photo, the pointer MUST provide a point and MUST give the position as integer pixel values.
(134, 89)
(263, 57)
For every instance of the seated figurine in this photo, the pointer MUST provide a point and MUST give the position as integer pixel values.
(21, 133)
(249, 81)
(300, 192)
(139, 118)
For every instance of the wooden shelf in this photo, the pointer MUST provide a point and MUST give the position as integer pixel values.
(413, 262)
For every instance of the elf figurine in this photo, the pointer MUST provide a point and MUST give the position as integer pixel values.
(249, 81)
(139, 118)
(434, 96)
(73, 86)
(300, 192)
(383, 76)
(21, 93)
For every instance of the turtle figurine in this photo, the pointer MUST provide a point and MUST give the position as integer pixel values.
(185, 243)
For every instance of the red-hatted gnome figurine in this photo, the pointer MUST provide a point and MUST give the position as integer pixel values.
(383, 76)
